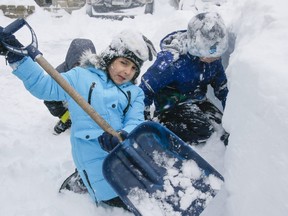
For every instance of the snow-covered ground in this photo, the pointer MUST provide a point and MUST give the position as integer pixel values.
(34, 162)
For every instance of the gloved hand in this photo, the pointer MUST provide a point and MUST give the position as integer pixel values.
(109, 142)
(12, 41)
(3, 50)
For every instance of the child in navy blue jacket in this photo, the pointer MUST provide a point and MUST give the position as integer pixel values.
(177, 82)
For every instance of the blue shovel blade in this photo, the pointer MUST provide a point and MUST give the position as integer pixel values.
(153, 170)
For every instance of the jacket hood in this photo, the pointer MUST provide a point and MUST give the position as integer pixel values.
(90, 59)
(175, 43)
(76, 49)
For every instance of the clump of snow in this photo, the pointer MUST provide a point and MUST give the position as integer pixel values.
(190, 169)
(128, 40)
(150, 205)
(178, 193)
(215, 182)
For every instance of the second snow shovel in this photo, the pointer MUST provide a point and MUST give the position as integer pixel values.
(153, 171)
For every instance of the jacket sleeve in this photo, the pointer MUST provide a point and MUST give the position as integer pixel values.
(39, 83)
(135, 113)
(219, 84)
(159, 75)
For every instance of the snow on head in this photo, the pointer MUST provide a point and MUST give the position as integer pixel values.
(133, 41)
(207, 35)
(128, 44)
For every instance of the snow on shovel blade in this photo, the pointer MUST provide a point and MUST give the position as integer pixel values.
(155, 173)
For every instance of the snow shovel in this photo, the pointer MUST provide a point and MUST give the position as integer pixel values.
(151, 165)
(155, 173)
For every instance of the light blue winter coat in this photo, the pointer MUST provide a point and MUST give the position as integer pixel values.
(106, 99)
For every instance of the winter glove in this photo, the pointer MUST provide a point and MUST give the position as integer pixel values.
(3, 50)
(108, 142)
(12, 41)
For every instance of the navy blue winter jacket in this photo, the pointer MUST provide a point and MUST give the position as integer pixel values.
(176, 78)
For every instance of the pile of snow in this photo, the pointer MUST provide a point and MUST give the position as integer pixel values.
(186, 187)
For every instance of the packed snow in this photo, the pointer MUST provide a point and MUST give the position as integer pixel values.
(34, 162)
(186, 187)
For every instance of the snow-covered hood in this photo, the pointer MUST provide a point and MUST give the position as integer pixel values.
(176, 43)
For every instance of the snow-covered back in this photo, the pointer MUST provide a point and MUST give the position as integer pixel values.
(34, 162)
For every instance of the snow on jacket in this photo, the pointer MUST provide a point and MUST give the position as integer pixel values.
(177, 76)
(105, 97)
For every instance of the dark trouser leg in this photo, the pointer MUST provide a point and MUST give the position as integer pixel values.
(56, 108)
(215, 115)
(188, 122)
(211, 111)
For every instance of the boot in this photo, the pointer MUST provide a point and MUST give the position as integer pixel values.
(61, 127)
(74, 183)
(63, 124)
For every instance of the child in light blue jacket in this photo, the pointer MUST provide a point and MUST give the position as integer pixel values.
(107, 82)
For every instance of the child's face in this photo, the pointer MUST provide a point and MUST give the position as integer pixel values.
(122, 70)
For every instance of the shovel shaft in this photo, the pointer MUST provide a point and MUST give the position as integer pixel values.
(76, 96)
